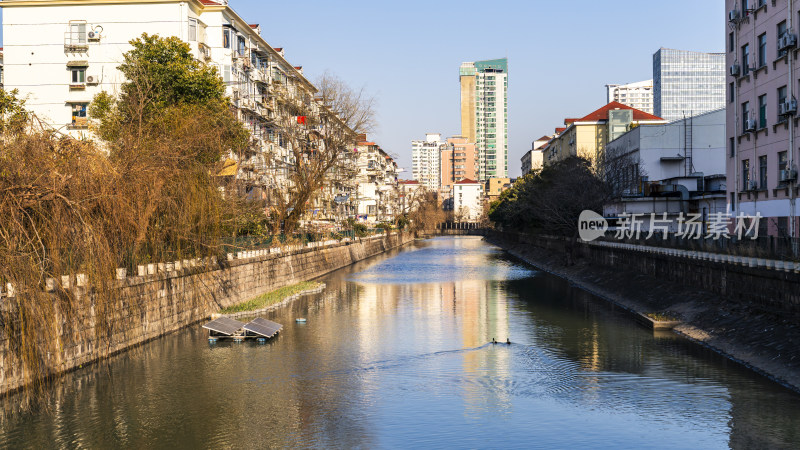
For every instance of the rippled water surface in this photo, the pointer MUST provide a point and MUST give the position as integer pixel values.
(397, 353)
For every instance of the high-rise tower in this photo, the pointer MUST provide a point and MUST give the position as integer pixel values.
(484, 114)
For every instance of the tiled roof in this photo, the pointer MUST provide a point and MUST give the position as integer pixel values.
(602, 113)
(544, 138)
(467, 181)
(560, 130)
(408, 182)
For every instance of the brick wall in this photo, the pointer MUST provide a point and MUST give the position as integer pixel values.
(152, 305)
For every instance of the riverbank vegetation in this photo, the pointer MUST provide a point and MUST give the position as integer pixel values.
(271, 298)
(550, 200)
(146, 192)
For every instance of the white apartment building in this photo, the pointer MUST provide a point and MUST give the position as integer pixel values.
(60, 54)
(377, 197)
(425, 160)
(468, 200)
(637, 95)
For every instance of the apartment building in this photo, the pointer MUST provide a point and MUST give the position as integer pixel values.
(587, 136)
(458, 161)
(484, 114)
(377, 197)
(763, 75)
(637, 95)
(468, 200)
(687, 83)
(425, 160)
(60, 54)
(533, 159)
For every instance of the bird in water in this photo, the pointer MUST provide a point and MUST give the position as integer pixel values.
(508, 341)
(494, 341)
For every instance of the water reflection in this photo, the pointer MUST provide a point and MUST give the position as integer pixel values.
(396, 353)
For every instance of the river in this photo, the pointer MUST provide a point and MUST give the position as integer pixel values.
(397, 352)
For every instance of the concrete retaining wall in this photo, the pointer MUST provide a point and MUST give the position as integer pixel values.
(155, 304)
(771, 288)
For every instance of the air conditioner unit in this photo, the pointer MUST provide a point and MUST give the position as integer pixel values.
(788, 175)
(788, 107)
(749, 125)
(733, 15)
(788, 40)
(735, 70)
(94, 35)
(92, 79)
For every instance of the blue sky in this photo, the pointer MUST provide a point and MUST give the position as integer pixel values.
(561, 54)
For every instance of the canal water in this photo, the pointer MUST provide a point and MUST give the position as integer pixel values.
(397, 352)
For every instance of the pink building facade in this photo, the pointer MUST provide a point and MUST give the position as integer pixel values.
(762, 122)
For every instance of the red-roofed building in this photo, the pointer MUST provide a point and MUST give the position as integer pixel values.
(587, 136)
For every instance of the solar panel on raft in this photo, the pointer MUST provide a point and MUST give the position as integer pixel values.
(263, 327)
(224, 325)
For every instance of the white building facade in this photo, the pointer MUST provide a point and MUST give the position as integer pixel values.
(672, 168)
(637, 95)
(425, 160)
(468, 200)
(60, 54)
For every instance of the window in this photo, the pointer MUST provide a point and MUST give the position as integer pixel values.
(745, 6)
(78, 75)
(780, 32)
(762, 111)
(79, 115)
(745, 59)
(226, 38)
(733, 201)
(762, 50)
(731, 42)
(783, 163)
(77, 33)
(745, 174)
(745, 114)
(762, 172)
(192, 29)
(732, 146)
(241, 46)
(781, 100)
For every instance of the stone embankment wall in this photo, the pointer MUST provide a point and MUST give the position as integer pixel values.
(772, 285)
(152, 305)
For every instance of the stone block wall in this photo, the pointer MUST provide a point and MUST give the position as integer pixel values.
(150, 306)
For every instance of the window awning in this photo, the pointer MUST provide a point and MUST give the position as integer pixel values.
(77, 63)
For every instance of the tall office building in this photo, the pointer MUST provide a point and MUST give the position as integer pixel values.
(425, 162)
(484, 114)
(637, 95)
(687, 83)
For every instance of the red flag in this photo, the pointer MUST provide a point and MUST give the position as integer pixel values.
(301, 120)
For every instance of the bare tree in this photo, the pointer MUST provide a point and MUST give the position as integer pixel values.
(356, 108)
(320, 135)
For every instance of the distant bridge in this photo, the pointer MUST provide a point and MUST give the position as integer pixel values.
(462, 228)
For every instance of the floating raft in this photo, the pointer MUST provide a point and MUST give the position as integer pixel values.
(258, 328)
